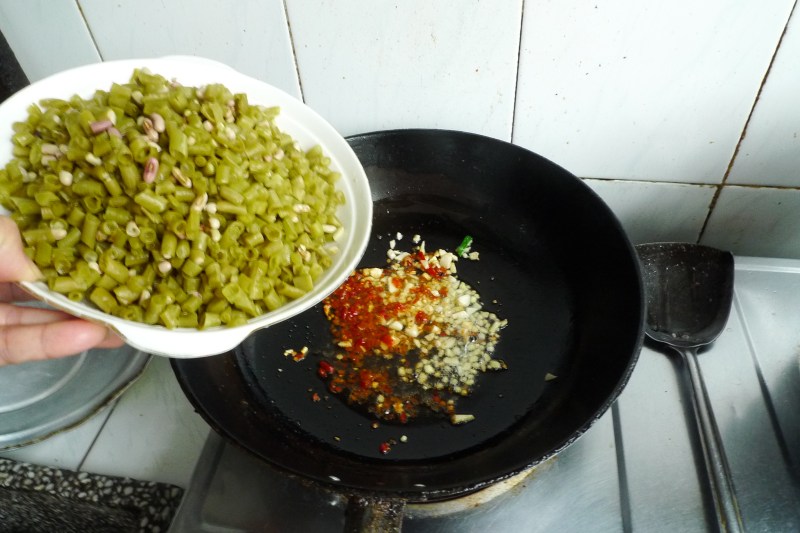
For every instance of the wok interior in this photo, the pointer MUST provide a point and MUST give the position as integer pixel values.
(561, 271)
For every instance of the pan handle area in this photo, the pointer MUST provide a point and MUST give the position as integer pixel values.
(719, 476)
(373, 515)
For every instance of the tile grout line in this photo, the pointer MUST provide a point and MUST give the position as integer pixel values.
(692, 183)
(294, 52)
(738, 146)
(97, 436)
(89, 29)
(516, 77)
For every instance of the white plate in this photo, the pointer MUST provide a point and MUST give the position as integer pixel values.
(296, 119)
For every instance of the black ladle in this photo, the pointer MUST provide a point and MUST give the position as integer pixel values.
(689, 289)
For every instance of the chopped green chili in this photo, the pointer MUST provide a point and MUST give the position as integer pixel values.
(464, 246)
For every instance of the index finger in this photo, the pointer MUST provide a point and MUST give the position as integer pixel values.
(49, 340)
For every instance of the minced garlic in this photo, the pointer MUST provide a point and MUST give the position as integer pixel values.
(413, 334)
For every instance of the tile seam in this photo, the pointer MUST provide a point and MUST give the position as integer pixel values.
(743, 134)
(89, 29)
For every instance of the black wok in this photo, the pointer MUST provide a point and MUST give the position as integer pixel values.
(554, 261)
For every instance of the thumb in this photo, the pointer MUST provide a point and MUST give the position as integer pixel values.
(14, 264)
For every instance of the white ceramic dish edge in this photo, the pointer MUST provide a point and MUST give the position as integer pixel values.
(302, 123)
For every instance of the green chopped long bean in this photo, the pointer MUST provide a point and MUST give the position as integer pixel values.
(168, 204)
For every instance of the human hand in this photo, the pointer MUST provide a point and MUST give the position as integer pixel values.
(27, 333)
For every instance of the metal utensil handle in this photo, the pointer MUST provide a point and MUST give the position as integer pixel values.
(719, 476)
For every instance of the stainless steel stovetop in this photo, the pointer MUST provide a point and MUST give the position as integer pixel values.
(639, 468)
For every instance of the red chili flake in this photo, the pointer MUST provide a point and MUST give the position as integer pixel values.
(421, 317)
(325, 369)
(365, 379)
(315, 397)
(385, 448)
(435, 272)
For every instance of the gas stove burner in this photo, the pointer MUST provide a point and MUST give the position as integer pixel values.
(506, 487)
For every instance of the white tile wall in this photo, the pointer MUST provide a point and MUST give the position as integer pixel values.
(250, 36)
(770, 151)
(756, 221)
(656, 212)
(651, 97)
(372, 65)
(47, 36)
(642, 90)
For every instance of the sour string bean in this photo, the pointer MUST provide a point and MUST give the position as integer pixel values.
(171, 205)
